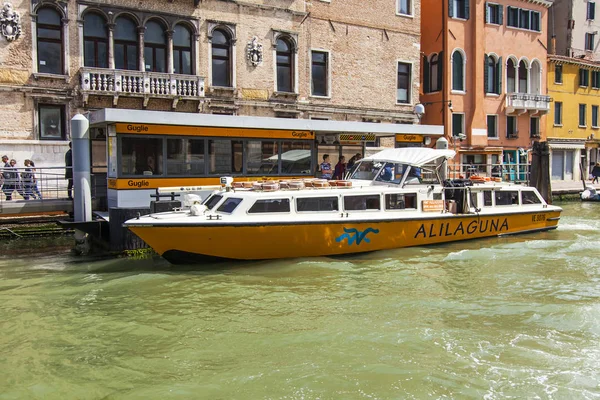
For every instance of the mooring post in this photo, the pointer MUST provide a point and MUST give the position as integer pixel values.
(442, 144)
(80, 134)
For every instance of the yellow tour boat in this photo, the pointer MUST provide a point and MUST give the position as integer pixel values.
(395, 198)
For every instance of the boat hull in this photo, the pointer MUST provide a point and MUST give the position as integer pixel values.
(189, 243)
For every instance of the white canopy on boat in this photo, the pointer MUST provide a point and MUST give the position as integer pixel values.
(291, 155)
(416, 156)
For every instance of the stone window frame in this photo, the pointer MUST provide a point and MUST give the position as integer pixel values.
(409, 88)
(140, 18)
(97, 40)
(496, 126)
(229, 28)
(411, 7)
(464, 71)
(50, 101)
(62, 8)
(292, 38)
(329, 69)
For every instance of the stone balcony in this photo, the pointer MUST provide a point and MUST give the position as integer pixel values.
(520, 103)
(147, 85)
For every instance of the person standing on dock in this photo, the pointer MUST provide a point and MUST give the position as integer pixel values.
(596, 173)
(69, 172)
(5, 176)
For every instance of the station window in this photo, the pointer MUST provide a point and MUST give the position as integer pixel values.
(229, 205)
(270, 206)
(141, 156)
(261, 157)
(361, 203)
(296, 158)
(317, 204)
(225, 156)
(530, 197)
(400, 201)
(185, 157)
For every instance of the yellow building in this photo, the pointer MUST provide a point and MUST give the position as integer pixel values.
(573, 129)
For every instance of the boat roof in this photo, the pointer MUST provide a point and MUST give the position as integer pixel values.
(415, 156)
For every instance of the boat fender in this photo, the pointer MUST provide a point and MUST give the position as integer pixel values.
(198, 209)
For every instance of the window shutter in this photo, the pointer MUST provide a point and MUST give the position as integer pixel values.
(426, 88)
(501, 14)
(485, 73)
(499, 77)
(593, 10)
(450, 8)
(467, 9)
(487, 14)
(440, 71)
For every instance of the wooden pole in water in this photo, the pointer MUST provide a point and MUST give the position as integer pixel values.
(581, 174)
(540, 170)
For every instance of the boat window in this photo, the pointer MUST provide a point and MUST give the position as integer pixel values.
(365, 202)
(366, 170)
(270, 206)
(530, 197)
(391, 173)
(317, 204)
(400, 201)
(507, 198)
(487, 198)
(212, 201)
(229, 205)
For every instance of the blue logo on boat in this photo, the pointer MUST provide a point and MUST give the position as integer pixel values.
(355, 236)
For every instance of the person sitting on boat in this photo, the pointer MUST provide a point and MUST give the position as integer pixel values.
(326, 172)
(387, 174)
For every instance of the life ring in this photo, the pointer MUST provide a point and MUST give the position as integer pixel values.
(297, 185)
(320, 183)
(344, 183)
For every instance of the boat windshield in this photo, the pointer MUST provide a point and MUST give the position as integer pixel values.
(379, 171)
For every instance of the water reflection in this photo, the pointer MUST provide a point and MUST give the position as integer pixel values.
(492, 318)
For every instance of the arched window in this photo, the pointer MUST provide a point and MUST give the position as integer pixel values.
(95, 38)
(182, 50)
(285, 66)
(49, 41)
(511, 76)
(493, 74)
(126, 44)
(458, 71)
(155, 47)
(434, 73)
(522, 77)
(221, 58)
(536, 72)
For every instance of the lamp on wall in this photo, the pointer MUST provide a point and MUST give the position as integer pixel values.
(420, 108)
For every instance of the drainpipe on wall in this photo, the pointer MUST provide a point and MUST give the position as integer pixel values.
(446, 68)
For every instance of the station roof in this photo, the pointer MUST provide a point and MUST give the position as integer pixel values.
(113, 115)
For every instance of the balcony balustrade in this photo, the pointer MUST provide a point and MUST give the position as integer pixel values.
(116, 82)
(520, 103)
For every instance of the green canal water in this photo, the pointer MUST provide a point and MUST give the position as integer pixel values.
(503, 318)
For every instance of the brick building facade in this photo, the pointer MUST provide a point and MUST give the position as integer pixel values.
(294, 59)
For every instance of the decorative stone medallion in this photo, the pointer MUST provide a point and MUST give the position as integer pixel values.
(254, 52)
(10, 23)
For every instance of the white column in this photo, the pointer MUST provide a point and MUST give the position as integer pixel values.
(141, 31)
(80, 134)
(111, 46)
